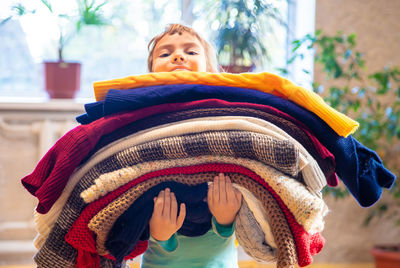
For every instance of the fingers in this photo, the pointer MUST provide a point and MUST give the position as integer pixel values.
(181, 217)
(216, 190)
(174, 208)
(159, 204)
(167, 204)
(210, 194)
(222, 189)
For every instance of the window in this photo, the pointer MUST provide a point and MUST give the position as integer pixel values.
(105, 52)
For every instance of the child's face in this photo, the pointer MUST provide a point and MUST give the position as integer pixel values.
(179, 52)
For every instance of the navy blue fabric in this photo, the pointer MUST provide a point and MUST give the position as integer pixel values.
(360, 168)
(129, 227)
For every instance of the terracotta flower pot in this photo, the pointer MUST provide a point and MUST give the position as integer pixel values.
(63, 79)
(386, 256)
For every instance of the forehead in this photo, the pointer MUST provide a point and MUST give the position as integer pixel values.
(177, 39)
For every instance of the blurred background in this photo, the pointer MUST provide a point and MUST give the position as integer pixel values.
(347, 51)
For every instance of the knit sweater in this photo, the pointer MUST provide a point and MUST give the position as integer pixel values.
(264, 82)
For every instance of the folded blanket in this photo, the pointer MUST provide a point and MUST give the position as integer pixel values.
(264, 82)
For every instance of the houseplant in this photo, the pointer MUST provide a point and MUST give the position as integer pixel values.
(62, 78)
(374, 101)
(243, 27)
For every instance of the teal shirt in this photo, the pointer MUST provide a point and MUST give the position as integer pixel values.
(215, 249)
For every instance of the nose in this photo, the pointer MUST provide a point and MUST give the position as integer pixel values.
(178, 58)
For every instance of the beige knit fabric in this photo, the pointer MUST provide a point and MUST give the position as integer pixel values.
(259, 213)
(308, 209)
(102, 223)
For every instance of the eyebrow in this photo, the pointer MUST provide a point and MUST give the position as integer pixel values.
(170, 46)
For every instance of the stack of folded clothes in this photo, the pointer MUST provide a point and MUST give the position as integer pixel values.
(279, 143)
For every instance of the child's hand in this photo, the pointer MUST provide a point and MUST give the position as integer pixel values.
(223, 200)
(164, 222)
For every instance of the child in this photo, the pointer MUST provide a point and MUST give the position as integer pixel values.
(180, 48)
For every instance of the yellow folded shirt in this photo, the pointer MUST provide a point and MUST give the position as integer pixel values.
(265, 82)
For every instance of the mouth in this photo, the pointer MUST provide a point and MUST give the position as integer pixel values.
(180, 69)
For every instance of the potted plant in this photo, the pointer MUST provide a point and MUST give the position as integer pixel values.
(242, 31)
(62, 78)
(374, 101)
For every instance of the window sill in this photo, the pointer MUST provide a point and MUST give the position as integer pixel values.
(9, 104)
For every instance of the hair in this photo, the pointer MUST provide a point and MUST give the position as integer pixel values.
(211, 57)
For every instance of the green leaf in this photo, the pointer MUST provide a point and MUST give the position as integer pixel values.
(48, 5)
(5, 20)
(351, 39)
(283, 71)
